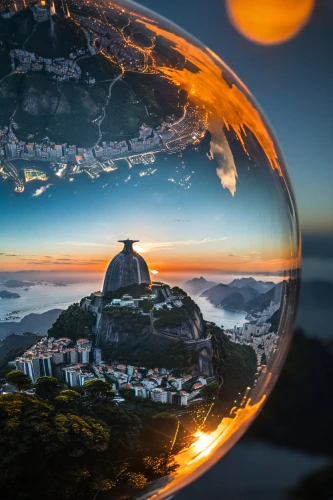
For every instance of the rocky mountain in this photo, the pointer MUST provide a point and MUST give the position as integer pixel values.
(244, 294)
(4, 294)
(260, 286)
(260, 302)
(239, 282)
(32, 323)
(217, 294)
(14, 342)
(234, 302)
(131, 328)
(198, 285)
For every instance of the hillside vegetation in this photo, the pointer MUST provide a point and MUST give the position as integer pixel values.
(74, 323)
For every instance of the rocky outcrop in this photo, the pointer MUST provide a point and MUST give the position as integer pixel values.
(114, 331)
(192, 327)
(36, 100)
(127, 329)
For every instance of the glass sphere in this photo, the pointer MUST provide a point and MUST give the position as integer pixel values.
(149, 225)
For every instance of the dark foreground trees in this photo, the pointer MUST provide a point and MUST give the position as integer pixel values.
(48, 452)
(71, 450)
(19, 380)
(46, 387)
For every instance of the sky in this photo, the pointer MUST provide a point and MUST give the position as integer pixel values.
(292, 83)
(190, 227)
(186, 220)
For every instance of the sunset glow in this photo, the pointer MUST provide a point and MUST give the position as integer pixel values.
(223, 102)
(205, 448)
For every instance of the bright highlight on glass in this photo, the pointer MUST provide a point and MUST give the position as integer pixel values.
(151, 228)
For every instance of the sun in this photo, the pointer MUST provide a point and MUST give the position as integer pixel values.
(139, 249)
(269, 22)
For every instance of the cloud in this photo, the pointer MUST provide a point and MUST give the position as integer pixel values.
(221, 152)
(68, 262)
(80, 244)
(171, 244)
(254, 252)
(41, 190)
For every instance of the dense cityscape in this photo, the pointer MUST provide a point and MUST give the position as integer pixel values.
(170, 134)
(74, 363)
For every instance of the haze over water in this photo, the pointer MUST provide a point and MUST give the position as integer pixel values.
(43, 297)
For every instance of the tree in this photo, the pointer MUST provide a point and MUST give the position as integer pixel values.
(210, 391)
(127, 394)
(147, 305)
(74, 323)
(135, 479)
(166, 415)
(67, 396)
(96, 387)
(46, 387)
(19, 379)
(158, 466)
(67, 451)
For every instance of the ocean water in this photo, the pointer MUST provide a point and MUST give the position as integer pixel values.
(43, 297)
(219, 316)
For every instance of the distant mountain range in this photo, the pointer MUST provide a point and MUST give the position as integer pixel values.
(4, 294)
(219, 294)
(19, 283)
(260, 286)
(198, 285)
(245, 294)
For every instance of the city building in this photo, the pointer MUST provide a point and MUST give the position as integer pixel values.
(35, 366)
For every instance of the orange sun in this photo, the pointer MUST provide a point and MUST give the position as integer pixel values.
(269, 21)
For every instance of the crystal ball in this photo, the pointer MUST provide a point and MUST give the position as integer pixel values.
(149, 253)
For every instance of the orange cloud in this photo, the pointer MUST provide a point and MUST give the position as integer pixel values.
(226, 105)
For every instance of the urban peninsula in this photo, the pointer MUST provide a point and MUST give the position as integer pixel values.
(86, 101)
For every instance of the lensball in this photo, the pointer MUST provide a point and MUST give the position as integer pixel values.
(149, 247)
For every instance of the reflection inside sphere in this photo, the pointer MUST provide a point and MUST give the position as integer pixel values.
(151, 227)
